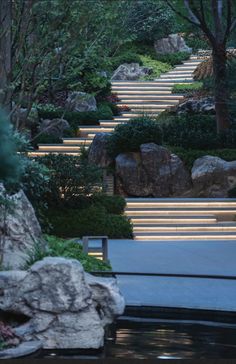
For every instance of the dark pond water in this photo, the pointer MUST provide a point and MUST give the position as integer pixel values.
(169, 339)
(146, 338)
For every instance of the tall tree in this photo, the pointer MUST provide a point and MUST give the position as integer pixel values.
(217, 20)
(5, 52)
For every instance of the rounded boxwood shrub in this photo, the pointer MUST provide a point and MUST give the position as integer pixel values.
(195, 131)
(129, 136)
(113, 204)
(71, 223)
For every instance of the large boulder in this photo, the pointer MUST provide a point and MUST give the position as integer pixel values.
(192, 106)
(19, 229)
(154, 172)
(66, 308)
(213, 176)
(97, 152)
(130, 71)
(171, 44)
(81, 101)
(55, 127)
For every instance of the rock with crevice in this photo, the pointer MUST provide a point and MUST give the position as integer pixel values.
(66, 307)
(213, 177)
(55, 127)
(19, 229)
(171, 44)
(193, 106)
(130, 72)
(98, 154)
(152, 172)
(81, 102)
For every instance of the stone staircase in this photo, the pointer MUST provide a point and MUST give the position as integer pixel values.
(156, 219)
(141, 97)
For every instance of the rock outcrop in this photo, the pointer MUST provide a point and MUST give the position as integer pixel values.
(19, 229)
(97, 152)
(213, 177)
(81, 101)
(66, 307)
(55, 127)
(192, 106)
(171, 44)
(130, 71)
(153, 171)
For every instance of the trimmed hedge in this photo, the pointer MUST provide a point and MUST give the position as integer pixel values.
(75, 119)
(113, 204)
(195, 131)
(71, 223)
(129, 136)
(187, 88)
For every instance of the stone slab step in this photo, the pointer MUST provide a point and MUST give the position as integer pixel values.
(59, 148)
(217, 227)
(173, 219)
(180, 200)
(77, 141)
(145, 97)
(148, 103)
(42, 153)
(143, 92)
(154, 236)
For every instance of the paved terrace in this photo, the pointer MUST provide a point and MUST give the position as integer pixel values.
(186, 257)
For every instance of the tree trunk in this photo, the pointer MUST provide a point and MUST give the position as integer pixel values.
(221, 87)
(5, 53)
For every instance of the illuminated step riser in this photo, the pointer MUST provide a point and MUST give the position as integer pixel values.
(184, 229)
(135, 98)
(186, 237)
(172, 221)
(148, 105)
(62, 149)
(167, 204)
(35, 154)
(136, 93)
(180, 212)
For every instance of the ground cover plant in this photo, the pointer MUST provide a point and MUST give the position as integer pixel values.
(57, 247)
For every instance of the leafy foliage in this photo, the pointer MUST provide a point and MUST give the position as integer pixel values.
(173, 58)
(94, 220)
(58, 247)
(156, 66)
(71, 178)
(129, 136)
(187, 88)
(11, 168)
(195, 131)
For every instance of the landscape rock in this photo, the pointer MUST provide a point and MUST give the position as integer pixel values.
(154, 172)
(81, 101)
(97, 152)
(66, 308)
(192, 106)
(213, 176)
(130, 71)
(171, 44)
(19, 230)
(55, 127)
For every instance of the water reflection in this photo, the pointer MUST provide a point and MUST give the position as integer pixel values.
(172, 341)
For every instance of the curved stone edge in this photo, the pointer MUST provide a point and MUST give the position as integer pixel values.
(24, 349)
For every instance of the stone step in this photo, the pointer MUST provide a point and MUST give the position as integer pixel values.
(175, 201)
(131, 115)
(172, 219)
(60, 148)
(145, 97)
(148, 103)
(158, 236)
(77, 141)
(178, 73)
(44, 153)
(143, 92)
(217, 227)
(88, 129)
(175, 78)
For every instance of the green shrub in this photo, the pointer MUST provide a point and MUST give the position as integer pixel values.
(68, 249)
(11, 168)
(173, 58)
(71, 223)
(46, 139)
(113, 204)
(71, 179)
(75, 119)
(196, 42)
(129, 136)
(195, 131)
(156, 66)
(126, 57)
(186, 88)
(188, 156)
